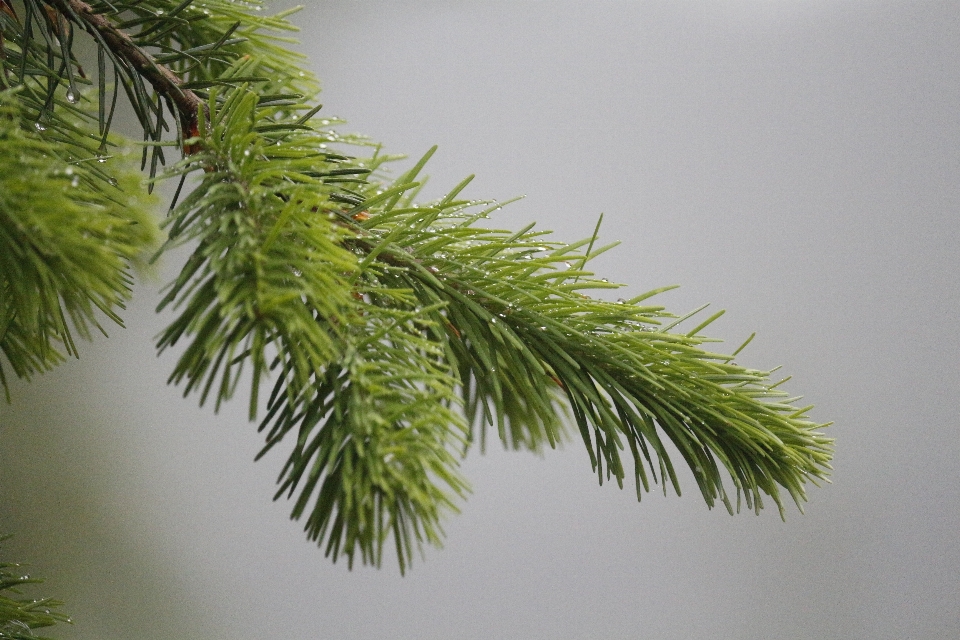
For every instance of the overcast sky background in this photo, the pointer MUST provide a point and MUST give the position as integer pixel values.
(795, 163)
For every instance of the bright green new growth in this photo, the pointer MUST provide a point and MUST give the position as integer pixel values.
(66, 238)
(390, 333)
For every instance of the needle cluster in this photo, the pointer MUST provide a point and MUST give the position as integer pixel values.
(20, 615)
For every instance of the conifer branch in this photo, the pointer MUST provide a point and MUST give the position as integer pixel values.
(67, 239)
(20, 616)
(395, 332)
(164, 81)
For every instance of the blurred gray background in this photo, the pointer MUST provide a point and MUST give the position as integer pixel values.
(794, 162)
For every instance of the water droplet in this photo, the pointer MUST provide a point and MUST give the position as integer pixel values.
(75, 182)
(543, 328)
(39, 127)
(493, 321)
(246, 152)
(72, 96)
(68, 171)
(101, 159)
(621, 301)
(113, 182)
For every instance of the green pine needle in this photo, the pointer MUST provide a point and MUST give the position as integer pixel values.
(21, 615)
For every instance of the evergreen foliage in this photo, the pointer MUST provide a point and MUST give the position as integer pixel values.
(68, 230)
(20, 615)
(391, 333)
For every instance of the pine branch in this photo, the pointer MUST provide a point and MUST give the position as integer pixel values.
(395, 332)
(67, 240)
(164, 81)
(19, 615)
